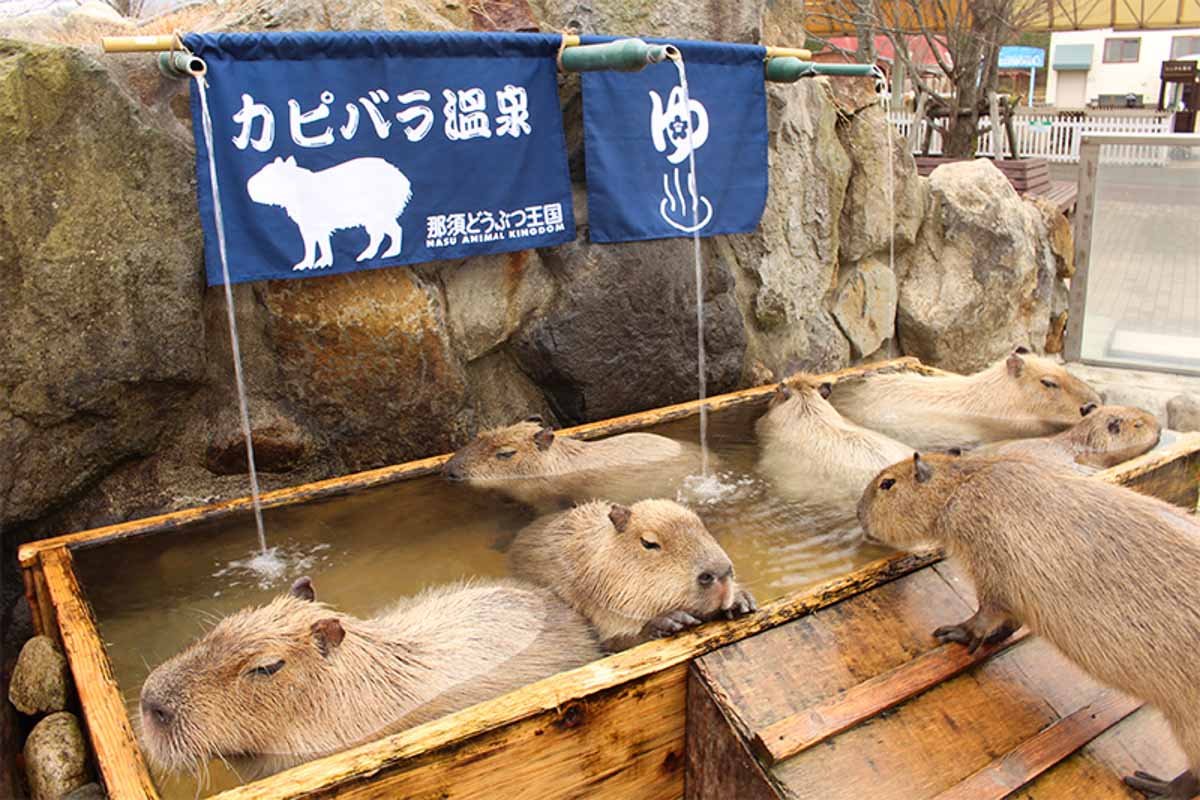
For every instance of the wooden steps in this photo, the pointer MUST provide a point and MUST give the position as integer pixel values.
(858, 700)
(1029, 176)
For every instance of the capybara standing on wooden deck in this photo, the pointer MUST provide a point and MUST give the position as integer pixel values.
(1020, 396)
(1106, 436)
(273, 686)
(1110, 577)
(636, 572)
(531, 464)
(812, 454)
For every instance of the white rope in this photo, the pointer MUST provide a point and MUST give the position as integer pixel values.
(201, 85)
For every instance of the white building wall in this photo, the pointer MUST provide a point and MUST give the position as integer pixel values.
(1139, 78)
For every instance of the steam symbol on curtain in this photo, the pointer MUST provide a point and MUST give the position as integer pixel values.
(365, 193)
(668, 131)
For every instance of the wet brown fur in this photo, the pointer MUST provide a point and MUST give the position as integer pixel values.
(440, 651)
(1107, 436)
(1008, 400)
(616, 580)
(1107, 575)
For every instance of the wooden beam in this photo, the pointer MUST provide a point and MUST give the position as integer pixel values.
(111, 734)
(1036, 755)
(794, 734)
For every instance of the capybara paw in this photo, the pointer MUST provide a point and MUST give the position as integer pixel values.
(743, 604)
(1184, 787)
(671, 623)
(960, 633)
(1001, 632)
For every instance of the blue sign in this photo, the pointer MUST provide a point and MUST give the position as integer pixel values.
(1022, 57)
(344, 151)
(639, 180)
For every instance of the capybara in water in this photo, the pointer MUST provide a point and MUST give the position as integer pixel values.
(1107, 575)
(813, 455)
(292, 680)
(531, 464)
(636, 572)
(1106, 436)
(1020, 396)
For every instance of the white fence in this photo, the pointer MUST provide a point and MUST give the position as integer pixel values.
(1046, 136)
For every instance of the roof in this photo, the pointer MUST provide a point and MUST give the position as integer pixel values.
(1072, 57)
(918, 47)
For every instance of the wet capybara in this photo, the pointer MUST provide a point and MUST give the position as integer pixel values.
(1106, 436)
(1107, 575)
(636, 573)
(272, 686)
(815, 456)
(1020, 396)
(530, 463)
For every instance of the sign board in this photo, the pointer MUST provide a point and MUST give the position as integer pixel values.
(1022, 57)
(1184, 71)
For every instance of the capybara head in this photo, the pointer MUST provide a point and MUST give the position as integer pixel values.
(273, 184)
(1108, 435)
(1045, 389)
(900, 506)
(260, 683)
(524, 450)
(655, 557)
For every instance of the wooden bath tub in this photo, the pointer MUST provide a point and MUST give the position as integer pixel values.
(613, 728)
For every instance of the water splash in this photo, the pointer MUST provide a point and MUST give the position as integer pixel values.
(693, 184)
(271, 567)
(716, 488)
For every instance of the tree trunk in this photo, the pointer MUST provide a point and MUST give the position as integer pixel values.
(981, 46)
(864, 29)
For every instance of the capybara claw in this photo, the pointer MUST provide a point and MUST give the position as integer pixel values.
(1184, 787)
(954, 633)
(743, 604)
(672, 623)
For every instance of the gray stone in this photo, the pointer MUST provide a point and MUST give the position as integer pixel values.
(40, 681)
(978, 280)
(865, 307)
(868, 210)
(621, 334)
(89, 791)
(56, 757)
(729, 22)
(1136, 396)
(1183, 413)
(280, 444)
(502, 394)
(489, 298)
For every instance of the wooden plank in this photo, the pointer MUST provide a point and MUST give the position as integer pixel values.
(112, 737)
(718, 763)
(28, 553)
(1085, 211)
(1171, 473)
(1034, 756)
(859, 703)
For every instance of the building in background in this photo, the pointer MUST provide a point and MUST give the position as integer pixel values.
(1103, 67)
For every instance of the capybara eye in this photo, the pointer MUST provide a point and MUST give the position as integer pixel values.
(706, 578)
(505, 455)
(649, 545)
(267, 670)
(887, 483)
(1049, 383)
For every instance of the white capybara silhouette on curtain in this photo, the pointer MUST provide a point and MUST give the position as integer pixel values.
(362, 192)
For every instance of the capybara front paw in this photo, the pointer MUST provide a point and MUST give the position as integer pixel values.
(960, 633)
(743, 604)
(1184, 787)
(669, 624)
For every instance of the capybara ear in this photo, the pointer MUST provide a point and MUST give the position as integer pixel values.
(535, 418)
(825, 389)
(1021, 350)
(328, 634)
(783, 390)
(1016, 364)
(921, 470)
(1087, 408)
(303, 589)
(619, 516)
(1114, 425)
(544, 438)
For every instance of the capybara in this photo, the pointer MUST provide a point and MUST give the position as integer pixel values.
(530, 463)
(1020, 396)
(279, 684)
(1106, 436)
(1107, 575)
(635, 572)
(813, 455)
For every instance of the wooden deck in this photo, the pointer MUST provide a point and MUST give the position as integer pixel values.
(859, 701)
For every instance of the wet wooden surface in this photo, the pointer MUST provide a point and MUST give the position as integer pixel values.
(859, 700)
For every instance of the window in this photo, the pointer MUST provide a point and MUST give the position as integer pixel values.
(1184, 46)
(1121, 51)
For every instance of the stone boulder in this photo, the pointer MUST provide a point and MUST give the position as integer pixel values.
(40, 681)
(56, 757)
(729, 22)
(865, 307)
(1183, 413)
(621, 334)
(101, 335)
(978, 280)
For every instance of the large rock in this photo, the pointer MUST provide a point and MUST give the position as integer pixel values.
(56, 757)
(980, 277)
(621, 335)
(490, 298)
(1061, 236)
(100, 326)
(1183, 412)
(729, 22)
(868, 213)
(865, 307)
(40, 681)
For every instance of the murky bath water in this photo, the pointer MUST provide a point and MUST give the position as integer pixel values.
(152, 596)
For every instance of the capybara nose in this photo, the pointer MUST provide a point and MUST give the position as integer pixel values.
(156, 711)
(453, 470)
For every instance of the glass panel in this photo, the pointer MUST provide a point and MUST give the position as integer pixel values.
(1143, 294)
(1184, 46)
